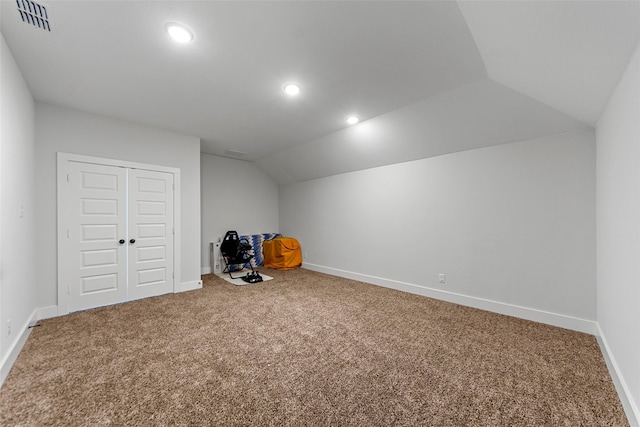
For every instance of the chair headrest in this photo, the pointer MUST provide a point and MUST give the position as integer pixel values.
(231, 235)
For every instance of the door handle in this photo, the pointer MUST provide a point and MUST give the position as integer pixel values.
(132, 241)
(121, 241)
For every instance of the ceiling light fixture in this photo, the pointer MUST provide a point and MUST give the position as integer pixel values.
(352, 120)
(179, 32)
(292, 89)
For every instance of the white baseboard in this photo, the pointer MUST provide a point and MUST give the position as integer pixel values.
(189, 286)
(16, 346)
(630, 407)
(554, 319)
(47, 312)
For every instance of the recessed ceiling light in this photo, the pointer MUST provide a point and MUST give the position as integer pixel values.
(292, 88)
(179, 33)
(352, 120)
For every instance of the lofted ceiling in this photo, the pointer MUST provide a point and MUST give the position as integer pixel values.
(426, 77)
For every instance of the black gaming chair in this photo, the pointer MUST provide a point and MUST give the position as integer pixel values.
(236, 251)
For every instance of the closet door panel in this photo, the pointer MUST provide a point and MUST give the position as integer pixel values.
(96, 224)
(151, 233)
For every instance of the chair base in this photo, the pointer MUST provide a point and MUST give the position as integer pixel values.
(228, 270)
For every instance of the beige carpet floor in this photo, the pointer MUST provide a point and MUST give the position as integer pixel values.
(305, 349)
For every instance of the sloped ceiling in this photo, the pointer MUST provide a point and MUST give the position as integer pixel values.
(427, 78)
(566, 54)
(476, 115)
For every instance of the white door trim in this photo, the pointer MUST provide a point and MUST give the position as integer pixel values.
(63, 244)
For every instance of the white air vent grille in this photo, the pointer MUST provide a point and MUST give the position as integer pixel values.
(34, 14)
(234, 153)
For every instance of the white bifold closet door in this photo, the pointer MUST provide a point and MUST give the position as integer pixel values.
(151, 226)
(121, 224)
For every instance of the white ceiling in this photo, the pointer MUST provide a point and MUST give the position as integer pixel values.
(567, 54)
(427, 77)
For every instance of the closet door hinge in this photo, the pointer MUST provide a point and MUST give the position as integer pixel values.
(68, 235)
(173, 274)
(173, 231)
(67, 177)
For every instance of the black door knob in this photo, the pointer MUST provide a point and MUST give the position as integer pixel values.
(122, 241)
(132, 241)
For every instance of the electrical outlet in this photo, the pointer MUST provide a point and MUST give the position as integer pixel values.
(8, 327)
(305, 255)
(442, 278)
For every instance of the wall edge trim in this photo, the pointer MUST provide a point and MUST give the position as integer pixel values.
(189, 286)
(630, 408)
(47, 312)
(535, 315)
(16, 347)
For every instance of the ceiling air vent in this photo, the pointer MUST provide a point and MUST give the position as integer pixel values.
(34, 14)
(234, 153)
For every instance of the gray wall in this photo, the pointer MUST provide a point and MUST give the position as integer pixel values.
(18, 251)
(61, 129)
(236, 195)
(512, 224)
(618, 230)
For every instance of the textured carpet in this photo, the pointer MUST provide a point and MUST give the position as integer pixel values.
(305, 349)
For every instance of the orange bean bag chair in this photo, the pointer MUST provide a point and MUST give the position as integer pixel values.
(282, 253)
